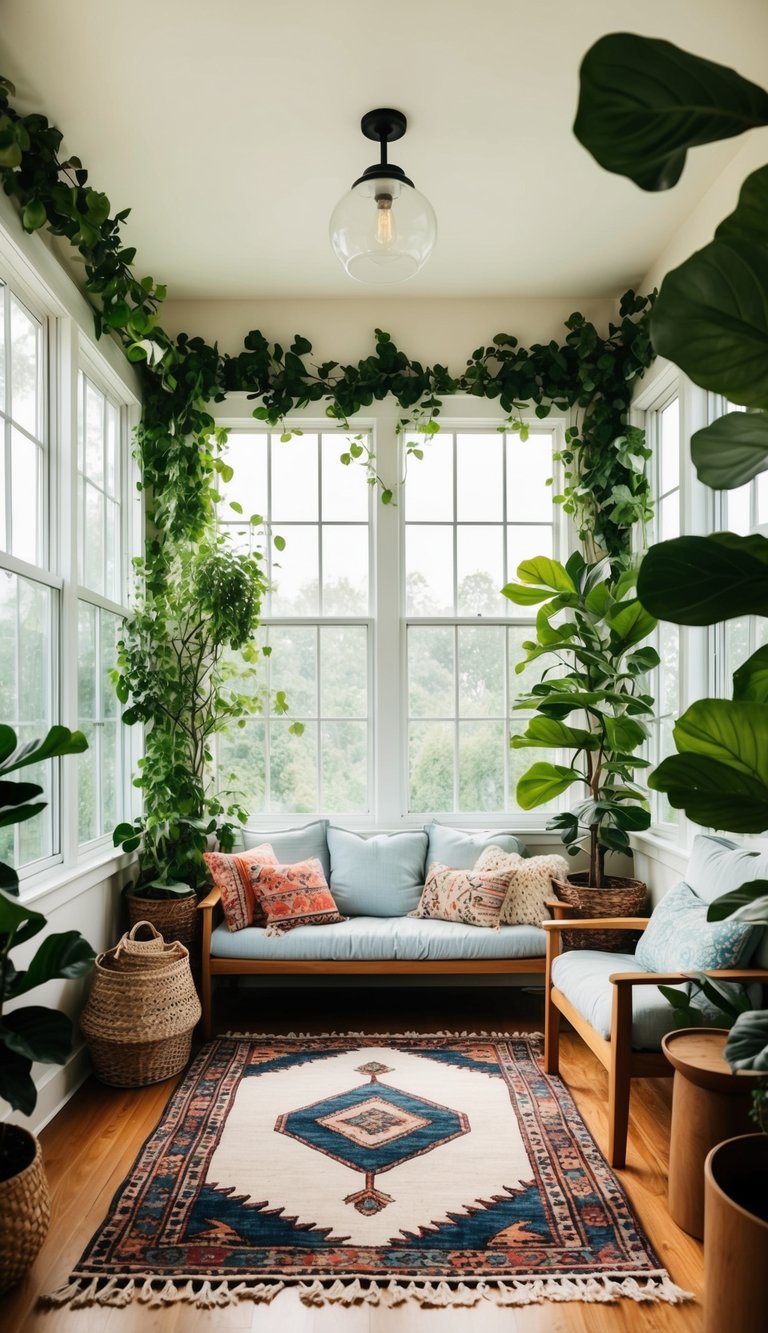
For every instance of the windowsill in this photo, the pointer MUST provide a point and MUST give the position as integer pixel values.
(61, 885)
(661, 848)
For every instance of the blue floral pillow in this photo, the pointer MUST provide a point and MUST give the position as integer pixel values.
(678, 936)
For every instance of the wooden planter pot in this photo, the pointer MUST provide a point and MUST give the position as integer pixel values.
(620, 897)
(25, 1206)
(736, 1235)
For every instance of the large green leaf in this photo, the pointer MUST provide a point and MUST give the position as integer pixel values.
(18, 919)
(552, 734)
(711, 319)
(16, 1085)
(702, 580)
(521, 595)
(748, 903)
(748, 217)
(733, 450)
(542, 783)
(747, 1044)
(750, 680)
(712, 793)
(37, 1033)
(624, 733)
(644, 101)
(734, 732)
(57, 741)
(62, 955)
(631, 623)
(549, 573)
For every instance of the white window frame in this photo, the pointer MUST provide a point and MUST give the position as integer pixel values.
(388, 700)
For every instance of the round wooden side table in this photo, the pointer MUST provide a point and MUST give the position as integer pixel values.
(709, 1104)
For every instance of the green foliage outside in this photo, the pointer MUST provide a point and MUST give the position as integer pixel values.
(643, 104)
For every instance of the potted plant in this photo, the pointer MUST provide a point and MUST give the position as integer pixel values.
(29, 1032)
(180, 671)
(643, 103)
(591, 700)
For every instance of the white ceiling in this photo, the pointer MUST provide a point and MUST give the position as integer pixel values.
(231, 130)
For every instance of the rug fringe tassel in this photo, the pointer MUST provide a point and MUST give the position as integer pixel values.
(375, 1036)
(209, 1295)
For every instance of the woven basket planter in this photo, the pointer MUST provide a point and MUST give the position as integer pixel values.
(25, 1206)
(620, 897)
(141, 1011)
(175, 918)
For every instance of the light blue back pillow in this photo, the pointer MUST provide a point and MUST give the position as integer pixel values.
(678, 936)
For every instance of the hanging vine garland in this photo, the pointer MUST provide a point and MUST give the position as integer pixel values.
(179, 445)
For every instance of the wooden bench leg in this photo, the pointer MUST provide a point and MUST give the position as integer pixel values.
(551, 1011)
(619, 1075)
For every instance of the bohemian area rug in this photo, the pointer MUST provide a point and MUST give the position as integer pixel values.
(445, 1169)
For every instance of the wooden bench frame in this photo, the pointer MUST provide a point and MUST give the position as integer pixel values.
(616, 1054)
(254, 967)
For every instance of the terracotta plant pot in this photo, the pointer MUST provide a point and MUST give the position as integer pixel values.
(25, 1206)
(736, 1235)
(620, 897)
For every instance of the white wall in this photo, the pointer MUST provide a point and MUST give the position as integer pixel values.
(444, 331)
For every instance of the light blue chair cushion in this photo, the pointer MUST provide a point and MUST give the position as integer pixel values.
(582, 976)
(678, 936)
(378, 876)
(717, 866)
(460, 849)
(294, 844)
(380, 938)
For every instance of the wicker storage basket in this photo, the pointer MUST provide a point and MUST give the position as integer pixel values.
(141, 1011)
(175, 918)
(25, 1206)
(620, 897)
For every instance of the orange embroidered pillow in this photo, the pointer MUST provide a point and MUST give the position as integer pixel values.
(470, 896)
(291, 896)
(231, 875)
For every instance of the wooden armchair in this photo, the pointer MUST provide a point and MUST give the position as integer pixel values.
(616, 1053)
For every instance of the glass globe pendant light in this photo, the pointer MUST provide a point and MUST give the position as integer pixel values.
(383, 229)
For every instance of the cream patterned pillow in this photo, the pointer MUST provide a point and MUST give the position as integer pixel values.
(530, 888)
(465, 896)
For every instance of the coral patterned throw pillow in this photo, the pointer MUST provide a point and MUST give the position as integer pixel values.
(231, 875)
(291, 896)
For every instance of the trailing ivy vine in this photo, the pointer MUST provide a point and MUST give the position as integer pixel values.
(180, 447)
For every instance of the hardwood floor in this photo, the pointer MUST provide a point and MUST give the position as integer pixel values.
(89, 1148)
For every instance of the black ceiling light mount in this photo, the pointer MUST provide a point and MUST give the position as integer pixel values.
(384, 229)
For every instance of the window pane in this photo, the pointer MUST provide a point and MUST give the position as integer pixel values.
(26, 659)
(345, 488)
(669, 432)
(481, 672)
(344, 767)
(481, 766)
(25, 368)
(345, 570)
(293, 769)
(480, 571)
(111, 784)
(88, 787)
(242, 764)
(669, 516)
(430, 671)
(3, 349)
(479, 478)
(295, 573)
(430, 755)
(94, 434)
(93, 571)
(110, 462)
(112, 552)
(111, 629)
(294, 478)
(429, 570)
(343, 675)
(293, 667)
(529, 466)
(429, 484)
(246, 452)
(739, 509)
(26, 482)
(524, 543)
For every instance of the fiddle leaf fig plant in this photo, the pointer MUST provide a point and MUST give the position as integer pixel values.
(591, 700)
(31, 1032)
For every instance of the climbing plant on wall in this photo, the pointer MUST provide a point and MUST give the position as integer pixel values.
(178, 444)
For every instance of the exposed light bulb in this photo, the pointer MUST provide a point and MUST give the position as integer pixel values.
(385, 232)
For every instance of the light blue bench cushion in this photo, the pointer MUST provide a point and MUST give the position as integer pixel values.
(294, 844)
(378, 876)
(380, 938)
(460, 849)
(582, 976)
(716, 866)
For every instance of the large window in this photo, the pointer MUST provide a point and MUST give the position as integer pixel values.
(387, 630)
(665, 441)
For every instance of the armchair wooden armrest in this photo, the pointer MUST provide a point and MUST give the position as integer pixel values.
(598, 923)
(743, 974)
(210, 901)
